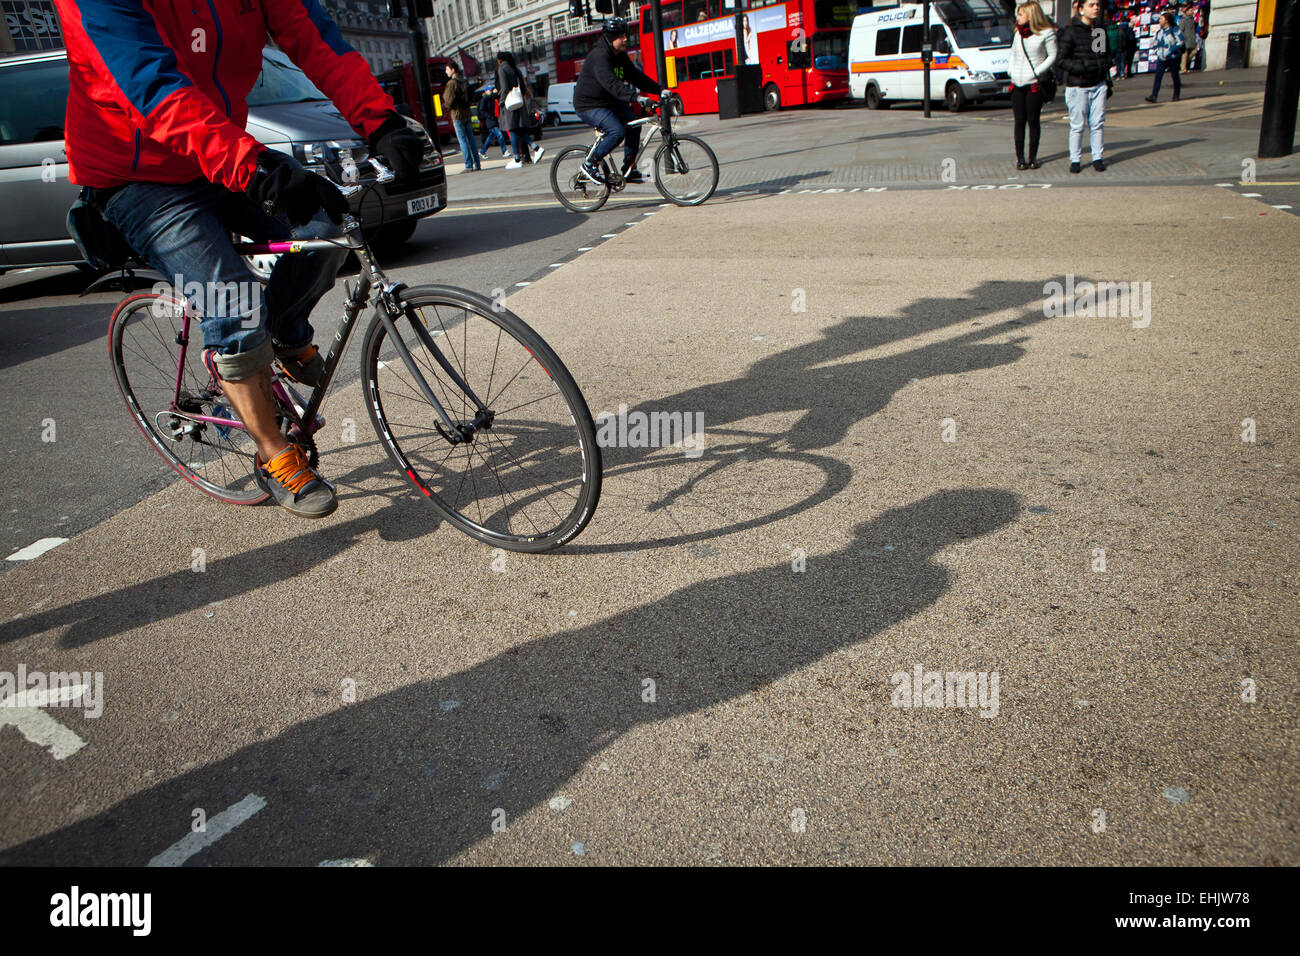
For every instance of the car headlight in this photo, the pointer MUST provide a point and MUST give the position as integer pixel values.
(828, 84)
(982, 77)
(326, 152)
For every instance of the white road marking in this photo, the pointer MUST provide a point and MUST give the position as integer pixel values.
(1252, 195)
(609, 235)
(520, 285)
(585, 248)
(217, 827)
(36, 550)
(556, 265)
(347, 861)
(21, 711)
(1281, 207)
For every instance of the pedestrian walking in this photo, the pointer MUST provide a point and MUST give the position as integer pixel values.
(514, 118)
(1127, 48)
(487, 122)
(456, 103)
(1085, 61)
(1033, 55)
(1187, 29)
(1169, 50)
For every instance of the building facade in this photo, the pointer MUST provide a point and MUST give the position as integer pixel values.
(367, 28)
(528, 28)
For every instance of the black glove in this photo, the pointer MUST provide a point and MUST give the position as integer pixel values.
(293, 190)
(399, 147)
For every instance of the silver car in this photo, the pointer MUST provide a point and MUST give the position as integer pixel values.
(285, 113)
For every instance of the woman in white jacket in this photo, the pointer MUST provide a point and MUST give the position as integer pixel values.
(1033, 53)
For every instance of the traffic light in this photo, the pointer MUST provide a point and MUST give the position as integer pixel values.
(605, 6)
(577, 9)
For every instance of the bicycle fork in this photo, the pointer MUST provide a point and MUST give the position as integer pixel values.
(454, 432)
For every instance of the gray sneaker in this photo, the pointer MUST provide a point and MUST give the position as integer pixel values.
(290, 480)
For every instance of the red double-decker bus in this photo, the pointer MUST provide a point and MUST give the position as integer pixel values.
(570, 51)
(399, 83)
(801, 45)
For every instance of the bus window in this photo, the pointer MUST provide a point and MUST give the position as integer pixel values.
(887, 42)
(698, 67)
(830, 51)
(798, 56)
(696, 10)
(672, 15)
(724, 62)
(912, 39)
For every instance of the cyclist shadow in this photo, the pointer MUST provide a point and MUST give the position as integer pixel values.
(419, 774)
(832, 393)
(106, 615)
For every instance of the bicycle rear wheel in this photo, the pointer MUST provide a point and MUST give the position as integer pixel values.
(143, 342)
(529, 480)
(571, 188)
(686, 171)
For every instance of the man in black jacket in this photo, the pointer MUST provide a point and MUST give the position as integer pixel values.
(603, 95)
(1085, 61)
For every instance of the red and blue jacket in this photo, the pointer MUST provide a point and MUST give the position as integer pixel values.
(157, 87)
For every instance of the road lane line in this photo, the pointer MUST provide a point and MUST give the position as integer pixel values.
(36, 549)
(217, 827)
(21, 711)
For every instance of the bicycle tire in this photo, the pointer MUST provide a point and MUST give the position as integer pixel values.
(559, 441)
(694, 161)
(225, 471)
(565, 170)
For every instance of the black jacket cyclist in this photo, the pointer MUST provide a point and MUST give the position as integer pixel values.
(603, 96)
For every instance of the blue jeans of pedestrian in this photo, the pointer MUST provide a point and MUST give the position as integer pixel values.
(521, 142)
(495, 135)
(184, 231)
(613, 123)
(1171, 65)
(1087, 106)
(468, 142)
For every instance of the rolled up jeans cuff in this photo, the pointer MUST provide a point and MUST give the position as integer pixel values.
(242, 365)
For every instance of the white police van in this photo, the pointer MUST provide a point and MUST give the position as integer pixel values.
(971, 42)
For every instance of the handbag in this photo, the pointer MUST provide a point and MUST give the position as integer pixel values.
(98, 240)
(514, 99)
(1046, 81)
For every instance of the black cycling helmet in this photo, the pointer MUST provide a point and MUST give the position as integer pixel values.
(614, 27)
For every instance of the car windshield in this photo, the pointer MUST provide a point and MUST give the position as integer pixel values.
(282, 82)
(977, 23)
(830, 51)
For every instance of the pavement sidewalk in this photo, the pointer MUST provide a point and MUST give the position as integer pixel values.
(908, 465)
(1204, 138)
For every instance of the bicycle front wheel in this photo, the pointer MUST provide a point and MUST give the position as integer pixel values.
(526, 480)
(686, 171)
(144, 342)
(574, 190)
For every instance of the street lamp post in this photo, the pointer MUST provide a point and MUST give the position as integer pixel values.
(1282, 84)
(927, 54)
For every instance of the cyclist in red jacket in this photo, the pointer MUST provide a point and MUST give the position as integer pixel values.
(155, 131)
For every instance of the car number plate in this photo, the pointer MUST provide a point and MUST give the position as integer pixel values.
(421, 204)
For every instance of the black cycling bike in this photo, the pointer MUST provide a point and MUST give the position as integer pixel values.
(685, 169)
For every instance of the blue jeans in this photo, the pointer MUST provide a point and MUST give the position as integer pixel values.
(613, 123)
(1087, 106)
(1171, 65)
(521, 142)
(495, 135)
(468, 142)
(185, 230)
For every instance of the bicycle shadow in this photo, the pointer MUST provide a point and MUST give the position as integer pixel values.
(400, 780)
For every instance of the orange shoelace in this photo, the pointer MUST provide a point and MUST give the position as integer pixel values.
(290, 468)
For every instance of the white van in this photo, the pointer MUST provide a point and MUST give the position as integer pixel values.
(559, 104)
(971, 41)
